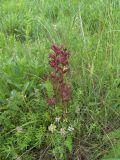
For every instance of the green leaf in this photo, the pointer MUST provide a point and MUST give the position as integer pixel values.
(68, 143)
(114, 152)
(49, 88)
(47, 116)
(26, 85)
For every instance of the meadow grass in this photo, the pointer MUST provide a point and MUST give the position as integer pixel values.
(91, 31)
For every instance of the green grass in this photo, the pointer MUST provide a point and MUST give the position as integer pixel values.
(91, 31)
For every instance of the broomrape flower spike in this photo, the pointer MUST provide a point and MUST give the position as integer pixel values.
(59, 62)
(51, 101)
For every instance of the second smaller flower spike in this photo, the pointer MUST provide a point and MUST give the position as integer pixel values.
(51, 101)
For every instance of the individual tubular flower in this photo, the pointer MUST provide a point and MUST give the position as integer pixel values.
(59, 57)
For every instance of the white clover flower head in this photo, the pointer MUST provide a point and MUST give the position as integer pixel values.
(19, 129)
(63, 132)
(70, 129)
(52, 128)
(57, 119)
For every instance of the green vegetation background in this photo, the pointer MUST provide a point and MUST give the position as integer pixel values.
(90, 29)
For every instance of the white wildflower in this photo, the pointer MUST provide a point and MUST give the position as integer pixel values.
(70, 129)
(52, 128)
(57, 119)
(62, 132)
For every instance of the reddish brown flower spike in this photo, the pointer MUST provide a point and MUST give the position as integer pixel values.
(51, 101)
(59, 61)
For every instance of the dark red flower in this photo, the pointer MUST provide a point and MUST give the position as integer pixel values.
(53, 63)
(56, 49)
(51, 101)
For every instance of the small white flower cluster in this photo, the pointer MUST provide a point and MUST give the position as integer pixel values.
(52, 128)
(57, 119)
(62, 131)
